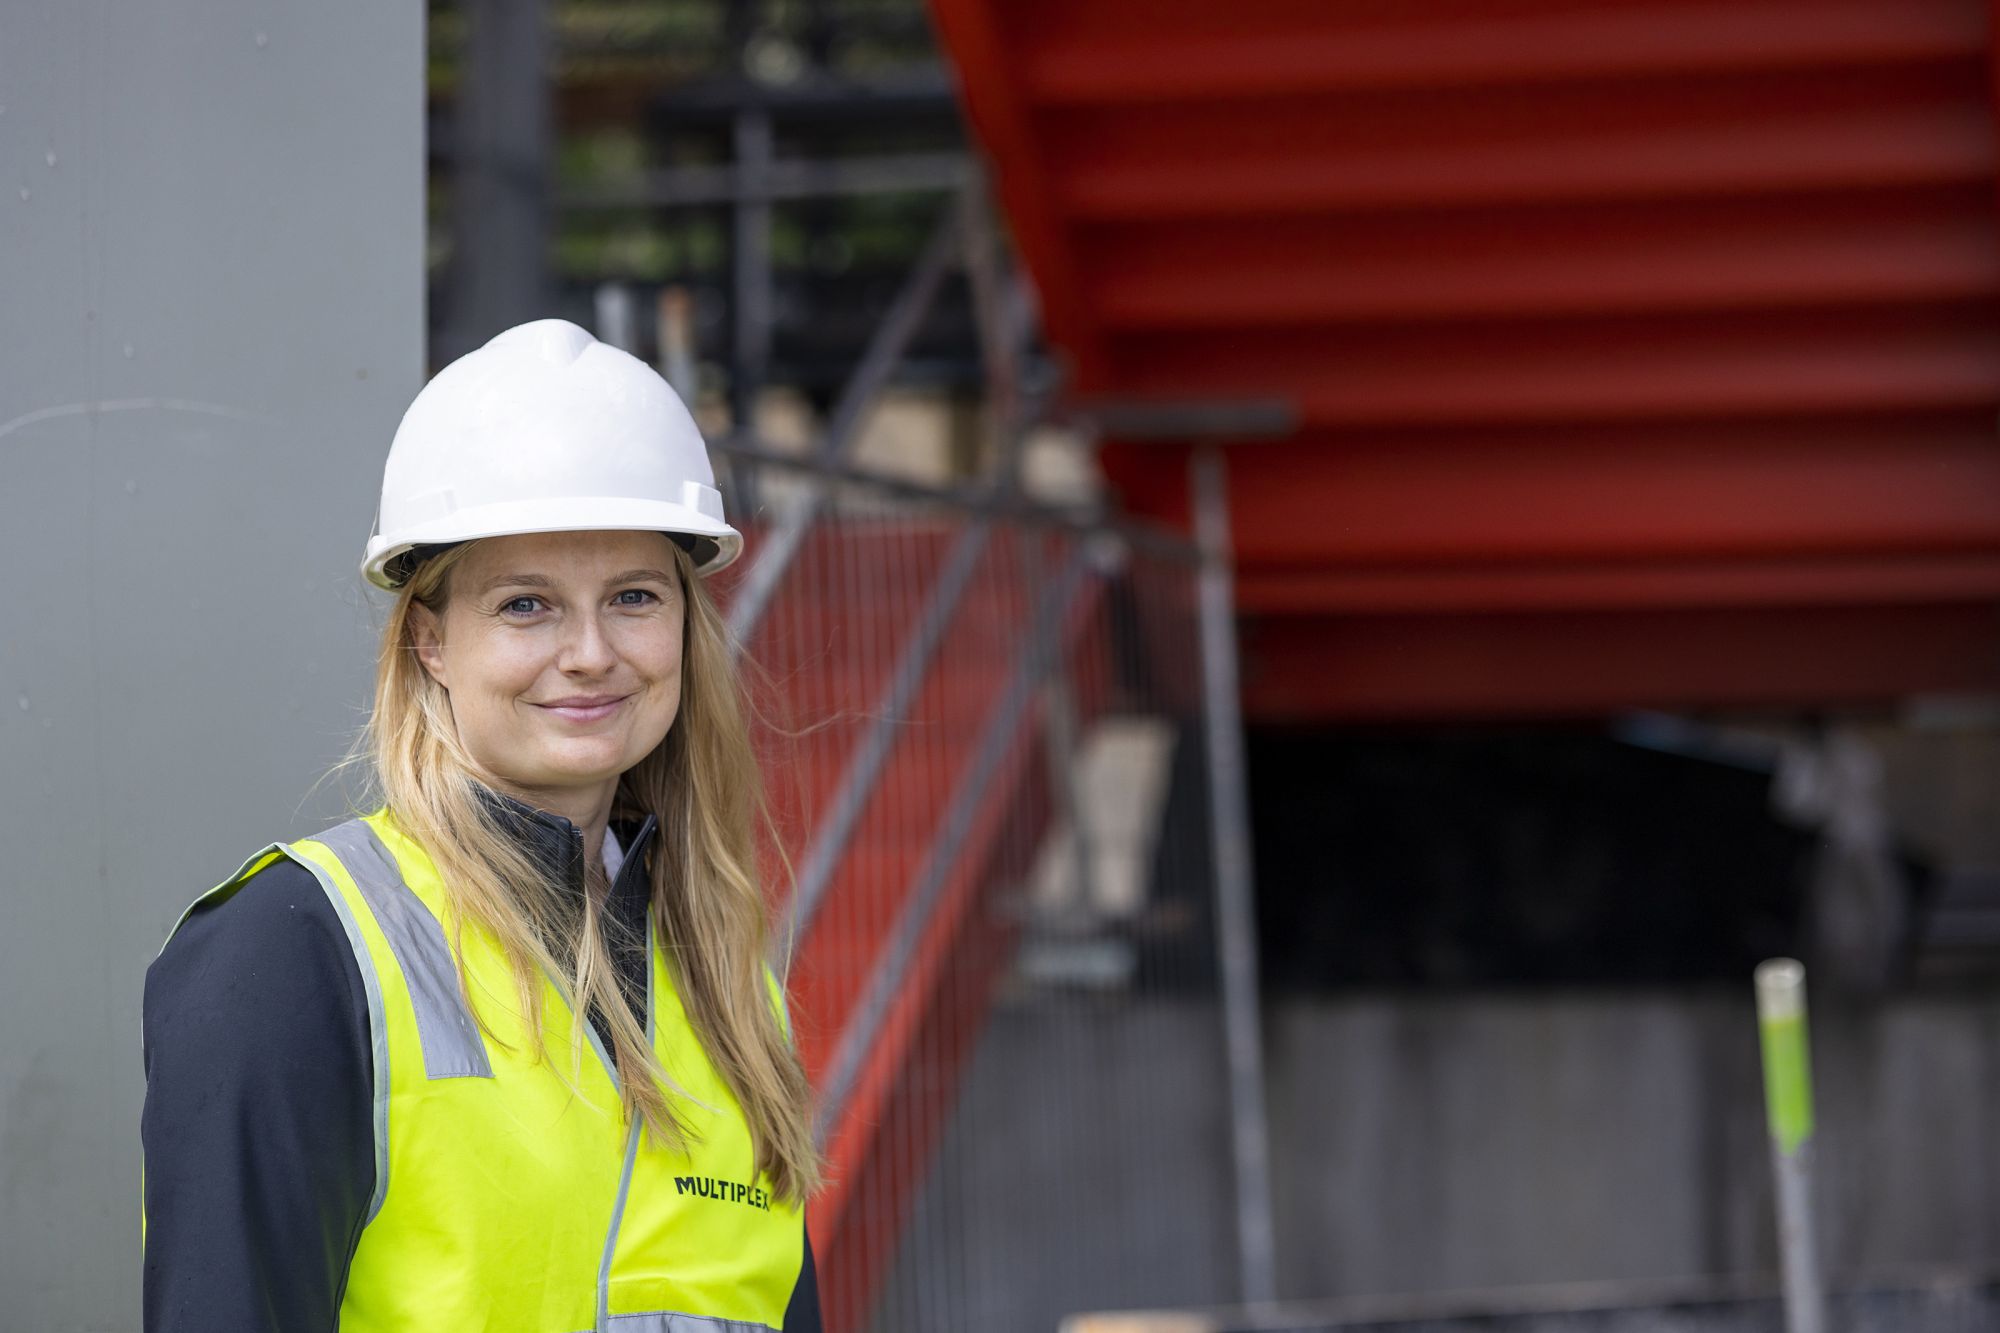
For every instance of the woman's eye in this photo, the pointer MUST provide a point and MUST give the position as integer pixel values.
(521, 606)
(634, 597)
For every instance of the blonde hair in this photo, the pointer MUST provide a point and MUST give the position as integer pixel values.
(702, 784)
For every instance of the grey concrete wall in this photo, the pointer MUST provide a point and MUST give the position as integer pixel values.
(1434, 1144)
(1437, 1144)
(211, 315)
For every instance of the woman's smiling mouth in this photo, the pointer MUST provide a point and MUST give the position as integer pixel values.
(585, 707)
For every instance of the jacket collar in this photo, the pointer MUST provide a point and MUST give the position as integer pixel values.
(557, 844)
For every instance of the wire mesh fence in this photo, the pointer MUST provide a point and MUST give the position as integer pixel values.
(981, 730)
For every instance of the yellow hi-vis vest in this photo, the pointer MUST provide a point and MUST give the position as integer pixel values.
(510, 1197)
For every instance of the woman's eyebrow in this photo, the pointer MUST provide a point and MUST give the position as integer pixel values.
(642, 575)
(517, 581)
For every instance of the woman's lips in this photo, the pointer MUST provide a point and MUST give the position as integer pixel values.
(592, 709)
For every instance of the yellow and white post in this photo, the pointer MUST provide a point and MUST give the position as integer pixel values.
(1788, 1106)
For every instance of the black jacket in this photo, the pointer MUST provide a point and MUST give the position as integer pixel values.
(259, 1146)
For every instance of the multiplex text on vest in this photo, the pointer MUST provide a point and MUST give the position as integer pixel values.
(728, 1191)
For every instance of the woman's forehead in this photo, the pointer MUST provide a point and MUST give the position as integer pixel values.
(593, 556)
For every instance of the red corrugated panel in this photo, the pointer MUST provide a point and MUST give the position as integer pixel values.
(1605, 322)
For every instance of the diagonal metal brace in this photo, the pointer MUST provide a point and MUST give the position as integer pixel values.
(886, 350)
(857, 783)
(862, 1029)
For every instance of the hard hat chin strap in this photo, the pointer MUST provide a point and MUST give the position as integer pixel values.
(402, 567)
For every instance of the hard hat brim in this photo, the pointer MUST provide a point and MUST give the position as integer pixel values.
(581, 514)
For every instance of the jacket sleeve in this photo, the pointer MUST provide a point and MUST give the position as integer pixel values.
(257, 1131)
(802, 1312)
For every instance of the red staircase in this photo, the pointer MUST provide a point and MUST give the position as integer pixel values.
(1643, 352)
(829, 643)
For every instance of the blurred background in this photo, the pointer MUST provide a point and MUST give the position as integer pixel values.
(1325, 579)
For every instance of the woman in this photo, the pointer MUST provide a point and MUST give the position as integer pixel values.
(503, 1055)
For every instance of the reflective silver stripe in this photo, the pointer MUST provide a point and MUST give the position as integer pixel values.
(632, 1133)
(450, 1036)
(657, 1321)
(378, 1029)
(668, 1322)
(604, 1315)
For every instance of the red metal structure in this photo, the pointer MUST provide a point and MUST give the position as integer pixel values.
(1643, 353)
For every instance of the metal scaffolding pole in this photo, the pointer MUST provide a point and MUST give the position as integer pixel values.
(752, 144)
(1235, 909)
(499, 271)
(884, 354)
(751, 257)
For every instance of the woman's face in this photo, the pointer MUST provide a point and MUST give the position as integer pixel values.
(562, 655)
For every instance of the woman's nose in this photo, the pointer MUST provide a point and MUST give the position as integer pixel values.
(587, 649)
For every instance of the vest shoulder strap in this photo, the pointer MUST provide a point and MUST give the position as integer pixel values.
(364, 962)
(446, 1027)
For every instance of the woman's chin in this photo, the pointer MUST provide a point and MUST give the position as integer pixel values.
(573, 768)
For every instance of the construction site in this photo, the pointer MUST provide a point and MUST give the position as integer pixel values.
(1323, 582)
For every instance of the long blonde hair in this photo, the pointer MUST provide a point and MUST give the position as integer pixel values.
(702, 783)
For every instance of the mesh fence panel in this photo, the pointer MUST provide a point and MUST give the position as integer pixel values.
(981, 738)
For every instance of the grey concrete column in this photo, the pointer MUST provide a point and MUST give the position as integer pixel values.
(211, 249)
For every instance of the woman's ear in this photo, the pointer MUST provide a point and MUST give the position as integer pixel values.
(424, 634)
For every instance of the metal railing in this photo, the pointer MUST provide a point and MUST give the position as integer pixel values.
(990, 730)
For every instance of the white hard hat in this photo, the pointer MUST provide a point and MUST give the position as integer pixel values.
(546, 429)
